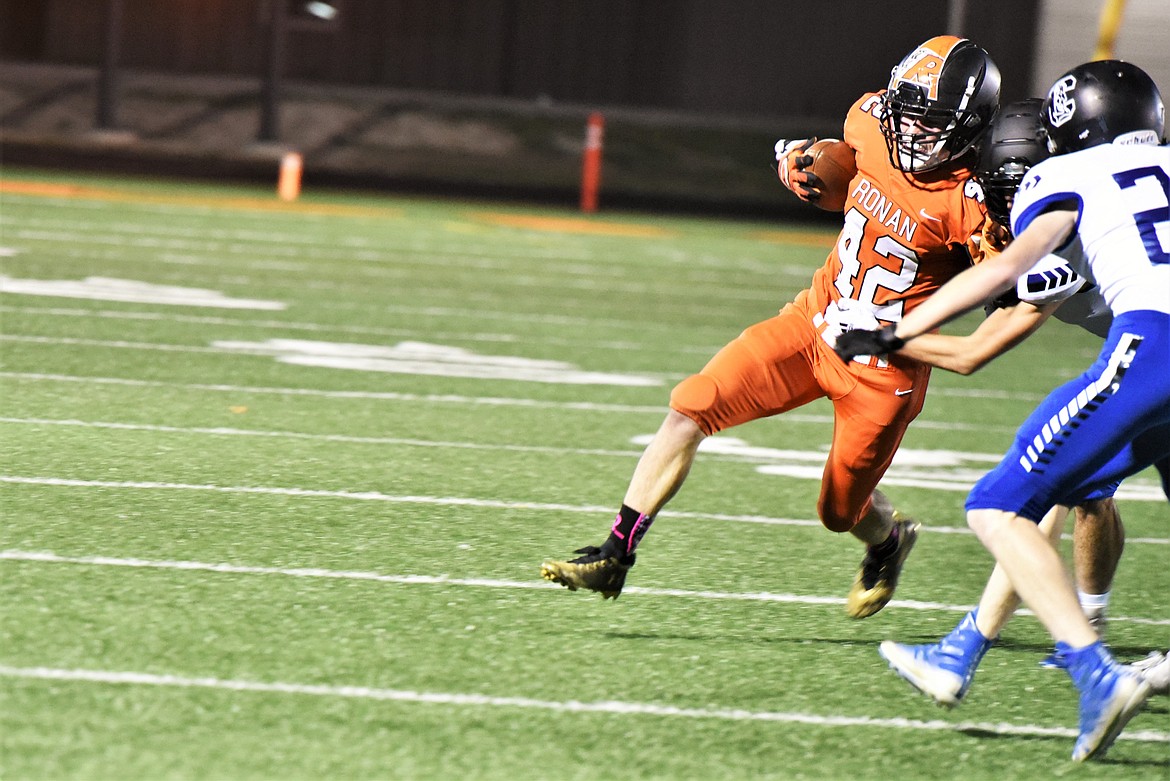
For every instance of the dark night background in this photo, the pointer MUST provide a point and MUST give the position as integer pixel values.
(694, 91)
(737, 57)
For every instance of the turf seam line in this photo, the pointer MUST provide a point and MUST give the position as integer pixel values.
(569, 706)
(435, 398)
(443, 501)
(46, 557)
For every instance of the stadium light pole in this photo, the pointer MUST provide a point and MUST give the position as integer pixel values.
(273, 65)
(306, 16)
(107, 97)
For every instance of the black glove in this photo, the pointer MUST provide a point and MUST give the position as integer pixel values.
(859, 342)
(792, 167)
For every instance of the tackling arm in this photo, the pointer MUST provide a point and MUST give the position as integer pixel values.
(1001, 331)
(965, 291)
(979, 283)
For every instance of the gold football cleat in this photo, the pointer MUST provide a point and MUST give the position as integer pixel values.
(594, 570)
(878, 576)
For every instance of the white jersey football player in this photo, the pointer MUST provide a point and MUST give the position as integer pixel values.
(1107, 187)
(1015, 143)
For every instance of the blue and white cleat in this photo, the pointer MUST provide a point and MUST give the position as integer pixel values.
(944, 670)
(1111, 695)
(1105, 710)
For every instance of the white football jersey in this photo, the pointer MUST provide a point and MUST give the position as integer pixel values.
(1122, 195)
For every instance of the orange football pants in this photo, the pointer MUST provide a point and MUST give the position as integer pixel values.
(783, 363)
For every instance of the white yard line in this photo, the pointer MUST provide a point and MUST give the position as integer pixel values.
(451, 501)
(377, 496)
(238, 241)
(476, 336)
(326, 328)
(463, 700)
(123, 345)
(235, 432)
(44, 557)
(429, 361)
(499, 401)
(579, 274)
(439, 246)
(428, 398)
(764, 458)
(479, 316)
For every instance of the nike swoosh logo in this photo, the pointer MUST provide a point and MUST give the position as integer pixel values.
(929, 216)
(900, 392)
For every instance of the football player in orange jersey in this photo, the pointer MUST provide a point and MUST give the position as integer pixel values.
(912, 221)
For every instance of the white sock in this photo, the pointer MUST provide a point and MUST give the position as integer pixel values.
(1093, 604)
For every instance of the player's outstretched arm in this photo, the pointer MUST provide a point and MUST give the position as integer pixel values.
(966, 291)
(1001, 331)
(980, 283)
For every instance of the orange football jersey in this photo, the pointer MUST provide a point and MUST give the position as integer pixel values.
(904, 235)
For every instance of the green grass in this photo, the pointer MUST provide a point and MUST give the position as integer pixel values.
(219, 565)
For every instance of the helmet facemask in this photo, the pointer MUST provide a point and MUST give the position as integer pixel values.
(999, 188)
(921, 137)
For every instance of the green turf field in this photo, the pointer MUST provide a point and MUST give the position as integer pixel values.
(277, 482)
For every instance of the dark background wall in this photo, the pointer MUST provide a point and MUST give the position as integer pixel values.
(748, 58)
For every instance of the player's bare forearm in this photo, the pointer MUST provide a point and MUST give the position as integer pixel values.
(1001, 331)
(978, 284)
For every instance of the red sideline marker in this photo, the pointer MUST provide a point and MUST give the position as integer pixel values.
(591, 162)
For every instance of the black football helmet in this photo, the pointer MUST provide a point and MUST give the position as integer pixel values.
(940, 100)
(1102, 102)
(1016, 142)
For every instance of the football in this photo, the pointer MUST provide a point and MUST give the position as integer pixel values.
(835, 164)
